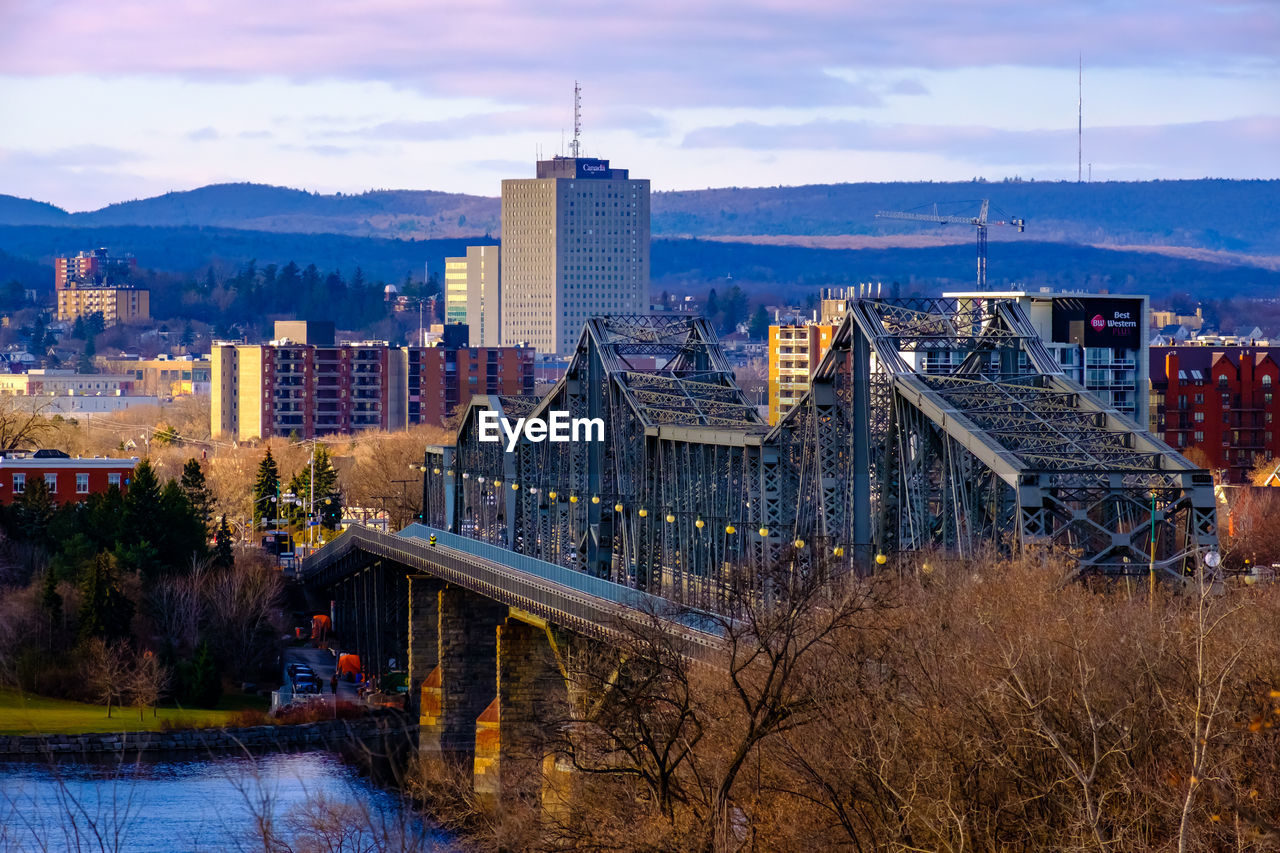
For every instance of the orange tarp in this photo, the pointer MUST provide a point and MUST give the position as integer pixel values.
(349, 664)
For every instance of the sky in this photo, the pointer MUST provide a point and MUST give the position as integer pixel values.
(109, 101)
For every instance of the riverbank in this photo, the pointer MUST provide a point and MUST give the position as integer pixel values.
(27, 714)
(384, 728)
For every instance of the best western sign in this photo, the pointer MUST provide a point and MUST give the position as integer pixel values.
(1097, 322)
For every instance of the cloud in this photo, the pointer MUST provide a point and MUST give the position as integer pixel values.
(503, 122)
(709, 53)
(1250, 141)
(907, 87)
(506, 168)
(204, 134)
(73, 158)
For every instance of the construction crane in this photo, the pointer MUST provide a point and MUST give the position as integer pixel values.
(980, 222)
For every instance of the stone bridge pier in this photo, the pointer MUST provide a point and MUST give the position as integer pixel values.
(490, 688)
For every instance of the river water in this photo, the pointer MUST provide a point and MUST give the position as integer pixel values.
(300, 802)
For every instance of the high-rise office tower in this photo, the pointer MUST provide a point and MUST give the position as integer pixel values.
(575, 244)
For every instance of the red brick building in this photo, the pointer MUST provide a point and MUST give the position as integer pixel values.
(1221, 400)
(307, 384)
(442, 380)
(69, 480)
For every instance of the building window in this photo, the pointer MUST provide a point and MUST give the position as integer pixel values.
(1199, 417)
(113, 480)
(1266, 380)
(1199, 436)
(19, 483)
(82, 484)
(51, 480)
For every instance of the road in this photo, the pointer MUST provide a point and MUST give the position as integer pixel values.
(323, 662)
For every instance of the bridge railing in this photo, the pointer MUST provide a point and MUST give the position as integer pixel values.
(562, 596)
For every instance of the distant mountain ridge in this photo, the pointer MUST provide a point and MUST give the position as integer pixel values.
(1218, 215)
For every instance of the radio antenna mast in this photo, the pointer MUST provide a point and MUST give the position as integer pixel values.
(1080, 120)
(575, 146)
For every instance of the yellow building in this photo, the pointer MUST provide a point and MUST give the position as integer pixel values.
(796, 350)
(794, 353)
(116, 304)
(455, 290)
(163, 377)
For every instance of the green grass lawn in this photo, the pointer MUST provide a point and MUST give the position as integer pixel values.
(24, 714)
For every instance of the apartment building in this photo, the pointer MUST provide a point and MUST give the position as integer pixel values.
(95, 282)
(794, 353)
(1219, 400)
(305, 384)
(795, 350)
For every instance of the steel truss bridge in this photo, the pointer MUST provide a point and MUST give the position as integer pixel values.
(931, 424)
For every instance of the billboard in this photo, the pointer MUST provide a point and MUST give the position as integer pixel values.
(589, 167)
(1098, 321)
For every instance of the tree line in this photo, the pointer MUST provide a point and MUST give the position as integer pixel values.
(945, 704)
(133, 591)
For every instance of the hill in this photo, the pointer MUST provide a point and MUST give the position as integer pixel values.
(681, 265)
(25, 211)
(190, 250)
(1230, 216)
(257, 207)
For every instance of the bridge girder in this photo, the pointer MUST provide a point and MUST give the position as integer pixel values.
(930, 424)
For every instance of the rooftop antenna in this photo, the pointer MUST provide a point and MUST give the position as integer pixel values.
(1080, 120)
(575, 147)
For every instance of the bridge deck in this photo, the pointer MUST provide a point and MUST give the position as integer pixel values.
(562, 596)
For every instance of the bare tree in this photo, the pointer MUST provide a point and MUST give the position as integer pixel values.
(242, 611)
(106, 670)
(23, 422)
(147, 682)
(176, 607)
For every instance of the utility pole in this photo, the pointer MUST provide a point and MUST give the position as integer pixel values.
(311, 496)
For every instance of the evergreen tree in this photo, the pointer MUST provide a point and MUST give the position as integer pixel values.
(328, 499)
(50, 599)
(203, 682)
(197, 491)
(265, 487)
(141, 506)
(223, 556)
(74, 558)
(105, 611)
(102, 515)
(188, 335)
(33, 511)
(734, 307)
(760, 324)
(85, 364)
(39, 332)
(713, 305)
(181, 534)
(77, 328)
